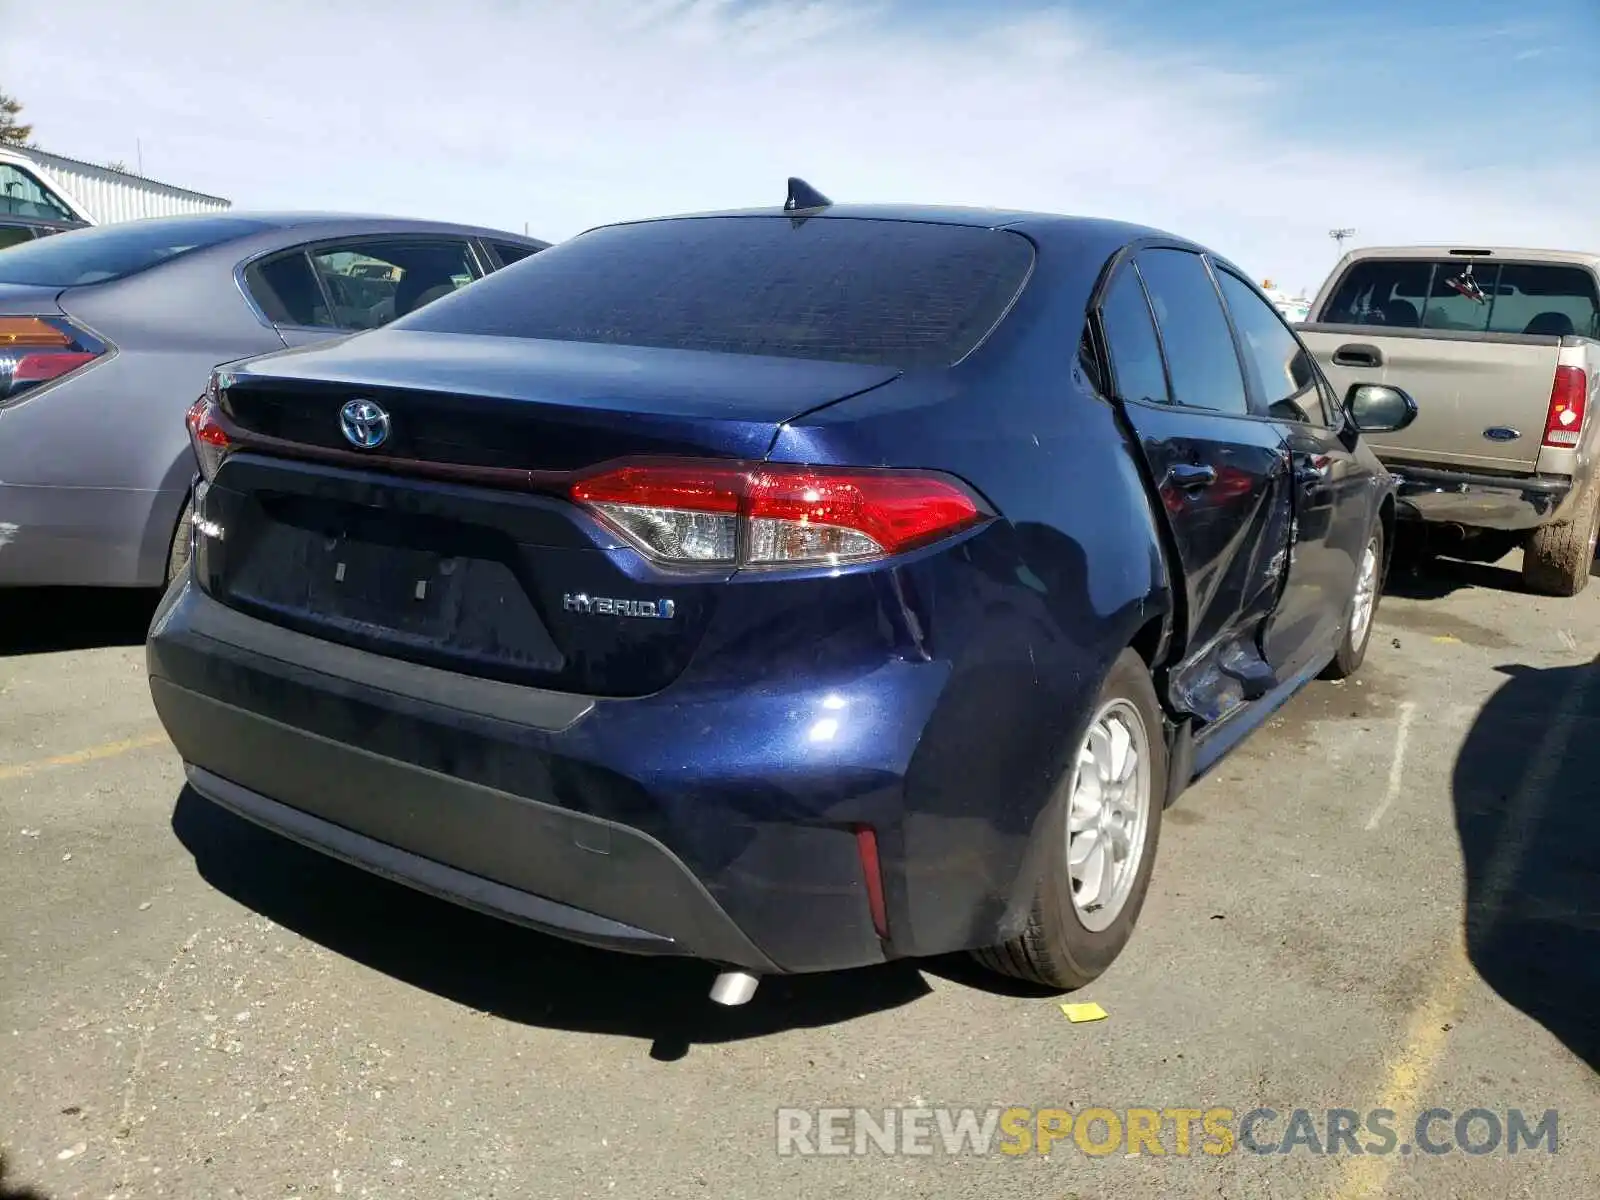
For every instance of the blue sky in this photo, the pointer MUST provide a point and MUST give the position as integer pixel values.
(1252, 126)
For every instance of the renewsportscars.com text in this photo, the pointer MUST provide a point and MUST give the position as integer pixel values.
(1175, 1132)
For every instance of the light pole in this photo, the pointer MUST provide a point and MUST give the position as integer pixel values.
(1339, 236)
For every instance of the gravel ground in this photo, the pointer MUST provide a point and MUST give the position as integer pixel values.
(1389, 899)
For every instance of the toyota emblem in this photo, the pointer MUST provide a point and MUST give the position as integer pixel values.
(364, 424)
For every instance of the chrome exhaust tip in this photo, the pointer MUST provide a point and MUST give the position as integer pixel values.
(734, 987)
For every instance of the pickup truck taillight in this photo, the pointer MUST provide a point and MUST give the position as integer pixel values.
(1569, 396)
(38, 350)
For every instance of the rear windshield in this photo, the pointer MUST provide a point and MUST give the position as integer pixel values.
(1468, 296)
(886, 293)
(83, 256)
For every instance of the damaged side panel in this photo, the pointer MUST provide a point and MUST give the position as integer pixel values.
(1215, 678)
(1224, 488)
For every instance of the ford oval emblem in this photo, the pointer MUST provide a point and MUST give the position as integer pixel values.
(1502, 433)
(364, 424)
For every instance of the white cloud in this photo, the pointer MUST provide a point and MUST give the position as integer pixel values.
(566, 114)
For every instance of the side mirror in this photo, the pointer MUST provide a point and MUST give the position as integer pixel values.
(1379, 408)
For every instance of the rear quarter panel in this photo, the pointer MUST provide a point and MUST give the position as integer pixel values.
(1029, 614)
(118, 427)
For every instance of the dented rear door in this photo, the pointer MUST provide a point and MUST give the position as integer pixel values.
(1220, 475)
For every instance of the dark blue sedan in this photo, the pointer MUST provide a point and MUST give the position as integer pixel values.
(793, 589)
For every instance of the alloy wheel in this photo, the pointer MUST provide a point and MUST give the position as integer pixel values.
(1109, 813)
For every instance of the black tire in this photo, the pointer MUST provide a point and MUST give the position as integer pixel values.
(182, 542)
(1056, 949)
(1353, 646)
(1557, 557)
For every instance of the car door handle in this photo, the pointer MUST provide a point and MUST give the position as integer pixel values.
(1358, 356)
(1191, 477)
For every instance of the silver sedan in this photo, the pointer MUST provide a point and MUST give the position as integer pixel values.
(108, 334)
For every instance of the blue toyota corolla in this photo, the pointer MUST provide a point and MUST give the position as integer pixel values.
(793, 589)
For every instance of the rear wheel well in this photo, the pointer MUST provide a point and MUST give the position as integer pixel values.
(1147, 642)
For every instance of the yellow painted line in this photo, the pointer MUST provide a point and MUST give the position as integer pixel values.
(92, 754)
(1409, 1073)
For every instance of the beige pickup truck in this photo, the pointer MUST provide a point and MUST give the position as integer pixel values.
(1501, 350)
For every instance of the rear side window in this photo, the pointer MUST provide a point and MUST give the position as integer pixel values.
(372, 282)
(1468, 296)
(1201, 357)
(1131, 340)
(105, 252)
(510, 252)
(287, 292)
(365, 282)
(890, 293)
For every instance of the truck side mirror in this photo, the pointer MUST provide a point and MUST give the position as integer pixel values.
(1379, 408)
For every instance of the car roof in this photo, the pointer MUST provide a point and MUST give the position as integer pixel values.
(1050, 230)
(370, 221)
(341, 223)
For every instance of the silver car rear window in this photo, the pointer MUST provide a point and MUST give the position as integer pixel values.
(104, 252)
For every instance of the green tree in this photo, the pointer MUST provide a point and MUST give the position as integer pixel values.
(12, 131)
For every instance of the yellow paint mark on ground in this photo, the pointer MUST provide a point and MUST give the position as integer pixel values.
(92, 754)
(1445, 637)
(1083, 1012)
(1409, 1073)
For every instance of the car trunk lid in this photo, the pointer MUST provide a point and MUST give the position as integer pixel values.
(451, 543)
(527, 405)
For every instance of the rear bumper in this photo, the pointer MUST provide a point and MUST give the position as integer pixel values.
(461, 887)
(648, 825)
(1442, 496)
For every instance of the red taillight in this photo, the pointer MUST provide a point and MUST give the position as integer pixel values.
(206, 435)
(1569, 396)
(35, 350)
(764, 514)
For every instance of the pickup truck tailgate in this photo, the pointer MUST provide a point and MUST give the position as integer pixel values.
(1462, 388)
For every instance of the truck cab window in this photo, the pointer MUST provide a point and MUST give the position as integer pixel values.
(1381, 291)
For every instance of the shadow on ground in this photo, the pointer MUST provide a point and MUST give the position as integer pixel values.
(11, 1190)
(1423, 567)
(1527, 799)
(1436, 578)
(504, 969)
(45, 620)
(1428, 567)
